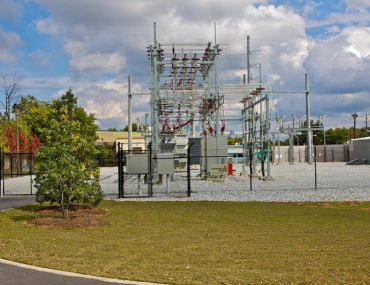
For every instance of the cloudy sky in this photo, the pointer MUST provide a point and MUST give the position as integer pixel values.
(93, 45)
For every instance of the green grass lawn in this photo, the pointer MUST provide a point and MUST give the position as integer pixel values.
(203, 242)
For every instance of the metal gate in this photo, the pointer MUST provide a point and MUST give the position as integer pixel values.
(16, 173)
(133, 173)
(143, 173)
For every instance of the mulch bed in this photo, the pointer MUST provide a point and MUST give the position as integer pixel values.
(79, 217)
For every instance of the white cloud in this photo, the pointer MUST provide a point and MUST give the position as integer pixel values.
(115, 33)
(8, 41)
(10, 10)
(47, 26)
(358, 40)
(39, 58)
(357, 4)
(310, 7)
(333, 29)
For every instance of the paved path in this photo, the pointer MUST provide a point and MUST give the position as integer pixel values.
(11, 275)
(8, 203)
(21, 274)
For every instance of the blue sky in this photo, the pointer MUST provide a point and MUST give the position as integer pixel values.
(92, 46)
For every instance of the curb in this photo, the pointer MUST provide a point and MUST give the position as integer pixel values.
(71, 274)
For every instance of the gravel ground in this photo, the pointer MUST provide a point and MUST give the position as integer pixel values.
(18, 186)
(336, 182)
(292, 183)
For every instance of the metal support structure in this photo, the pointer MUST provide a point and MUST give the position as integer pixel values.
(188, 170)
(308, 121)
(354, 116)
(120, 171)
(185, 89)
(324, 134)
(268, 137)
(129, 114)
(217, 102)
(279, 155)
(315, 167)
(244, 131)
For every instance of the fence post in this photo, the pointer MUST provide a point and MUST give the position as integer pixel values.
(123, 158)
(30, 168)
(332, 154)
(188, 171)
(119, 170)
(1, 171)
(315, 167)
(262, 160)
(11, 165)
(250, 167)
(20, 164)
(122, 167)
(150, 171)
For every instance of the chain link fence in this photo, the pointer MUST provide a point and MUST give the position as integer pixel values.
(16, 173)
(191, 174)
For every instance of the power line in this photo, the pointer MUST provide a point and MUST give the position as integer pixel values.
(297, 68)
(296, 40)
(293, 54)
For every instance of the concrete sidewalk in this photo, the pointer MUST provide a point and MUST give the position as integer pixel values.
(22, 274)
(14, 202)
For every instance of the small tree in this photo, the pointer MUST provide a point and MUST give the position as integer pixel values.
(11, 141)
(10, 89)
(66, 171)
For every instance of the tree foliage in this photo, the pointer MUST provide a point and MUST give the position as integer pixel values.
(232, 141)
(134, 128)
(34, 114)
(66, 170)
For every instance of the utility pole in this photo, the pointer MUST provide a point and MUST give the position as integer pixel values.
(366, 126)
(248, 63)
(251, 111)
(354, 116)
(308, 122)
(129, 114)
(244, 130)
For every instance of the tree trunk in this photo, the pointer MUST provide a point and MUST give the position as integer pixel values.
(64, 209)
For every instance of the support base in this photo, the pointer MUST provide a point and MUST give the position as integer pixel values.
(254, 176)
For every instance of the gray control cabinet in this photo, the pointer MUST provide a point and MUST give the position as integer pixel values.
(137, 163)
(166, 163)
(209, 152)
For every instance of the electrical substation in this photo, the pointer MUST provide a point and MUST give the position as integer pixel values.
(188, 129)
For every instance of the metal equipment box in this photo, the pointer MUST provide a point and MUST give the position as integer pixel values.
(165, 163)
(195, 149)
(137, 163)
(210, 154)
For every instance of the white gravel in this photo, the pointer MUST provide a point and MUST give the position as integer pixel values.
(292, 183)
